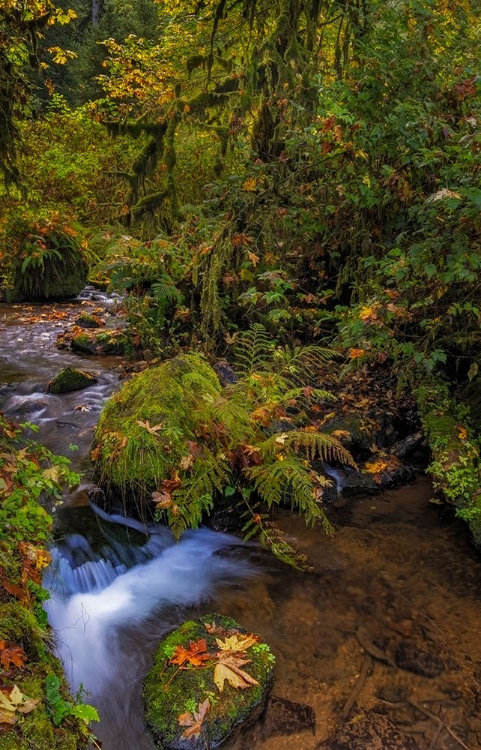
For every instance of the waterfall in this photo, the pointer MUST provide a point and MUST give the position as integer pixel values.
(108, 615)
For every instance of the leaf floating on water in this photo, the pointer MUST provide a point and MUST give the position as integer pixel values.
(194, 721)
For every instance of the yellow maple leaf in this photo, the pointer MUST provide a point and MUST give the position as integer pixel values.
(250, 185)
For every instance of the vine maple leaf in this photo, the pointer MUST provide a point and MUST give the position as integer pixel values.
(11, 654)
(194, 721)
(195, 655)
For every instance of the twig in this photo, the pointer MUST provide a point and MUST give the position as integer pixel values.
(370, 648)
(361, 681)
(440, 723)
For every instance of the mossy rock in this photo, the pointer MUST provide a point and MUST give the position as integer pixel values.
(144, 429)
(170, 691)
(108, 342)
(36, 729)
(70, 379)
(58, 278)
(87, 320)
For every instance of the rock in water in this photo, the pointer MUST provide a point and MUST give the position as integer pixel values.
(70, 379)
(367, 730)
(185, 705)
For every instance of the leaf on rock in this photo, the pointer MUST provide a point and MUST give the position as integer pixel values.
(238, 642)
(228, 668)
(194, 721)
(151, 429)
(195, 655)
(11, 654)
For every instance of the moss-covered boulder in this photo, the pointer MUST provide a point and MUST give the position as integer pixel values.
(190, 698)
(70, 379)
(44, 257)
(144, 429)
(106, 342)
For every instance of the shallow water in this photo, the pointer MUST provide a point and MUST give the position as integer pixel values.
(394, 568)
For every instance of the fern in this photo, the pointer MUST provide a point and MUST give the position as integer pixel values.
(272, 538)
(209, 475)
(253, 351)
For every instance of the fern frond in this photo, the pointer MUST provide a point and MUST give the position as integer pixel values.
(301, 364)
(271, 537)
(313, 444)
(288, 480)
(235, 414)
(165, 291)
(253, 350)
(209, 475)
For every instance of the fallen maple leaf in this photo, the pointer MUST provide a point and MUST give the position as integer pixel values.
(194, 721)
(238, 642)
(151, 429)
(195, 655)
(12, 654)
(228, 668)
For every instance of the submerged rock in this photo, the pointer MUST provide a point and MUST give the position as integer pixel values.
(367, 730)
(415, 658)
(178, 694)
(70, 379)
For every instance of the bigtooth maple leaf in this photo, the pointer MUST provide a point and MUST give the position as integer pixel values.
(194, 721)
(195, 655)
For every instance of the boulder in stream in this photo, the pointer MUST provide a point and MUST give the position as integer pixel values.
(210, 678)
(70, 379)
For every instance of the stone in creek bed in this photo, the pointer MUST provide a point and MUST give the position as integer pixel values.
(416, 659)
(367, 730)
(287, 717)
(70, 379)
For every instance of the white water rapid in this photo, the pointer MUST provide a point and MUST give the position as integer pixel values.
(108, 619)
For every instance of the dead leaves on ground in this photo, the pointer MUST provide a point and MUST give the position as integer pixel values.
(226, 660)
(11, 654)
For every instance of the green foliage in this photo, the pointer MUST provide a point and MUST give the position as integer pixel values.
(455, 466)
(30, 475)
(61, 709)
(43, 255)
(174, 433)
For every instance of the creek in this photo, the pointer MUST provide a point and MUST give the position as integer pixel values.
(396, 571)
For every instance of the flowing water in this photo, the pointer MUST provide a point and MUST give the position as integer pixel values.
(395, 577)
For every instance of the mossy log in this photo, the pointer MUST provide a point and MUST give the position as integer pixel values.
(170, 691)
(455, 466)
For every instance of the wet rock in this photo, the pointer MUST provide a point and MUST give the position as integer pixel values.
(285, 717)
(100, 342)
(367, 730)
(381, 472)
(170, 692)
(70, 379)
(89, 321)
(417, 659)
(225, 373)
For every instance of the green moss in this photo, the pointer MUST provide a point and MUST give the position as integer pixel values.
(455, 466)
(70, 379)
(169, 691)
(131, 456)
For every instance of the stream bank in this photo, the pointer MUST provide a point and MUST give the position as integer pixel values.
(394, 576)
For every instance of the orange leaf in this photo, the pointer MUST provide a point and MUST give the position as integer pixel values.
(12, 654)
(194, 721)
(195, 655)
